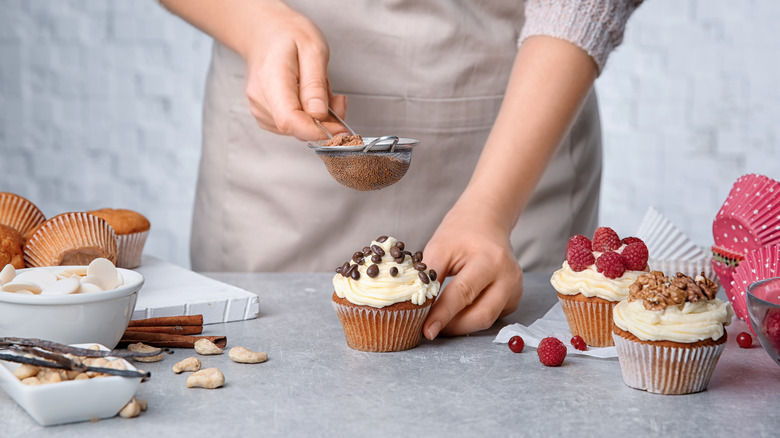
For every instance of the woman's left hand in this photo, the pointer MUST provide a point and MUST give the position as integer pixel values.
(487, 282)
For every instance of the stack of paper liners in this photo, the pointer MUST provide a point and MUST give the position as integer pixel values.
(670, 250)
(748, 220)
(758, 265)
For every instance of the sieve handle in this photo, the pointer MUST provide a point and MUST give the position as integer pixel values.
(381, 139)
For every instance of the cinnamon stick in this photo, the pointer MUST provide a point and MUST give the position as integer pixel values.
(169, 340)
(170, 329)
(168, 321)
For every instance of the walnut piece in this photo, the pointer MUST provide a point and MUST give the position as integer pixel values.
(657, 291)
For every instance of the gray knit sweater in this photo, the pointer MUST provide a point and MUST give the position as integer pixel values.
(594, 25)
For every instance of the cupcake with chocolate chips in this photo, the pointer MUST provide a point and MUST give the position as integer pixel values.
(382, 296)
(670, 333)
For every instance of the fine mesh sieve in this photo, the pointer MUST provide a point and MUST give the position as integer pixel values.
(378, 163)
(373, 165)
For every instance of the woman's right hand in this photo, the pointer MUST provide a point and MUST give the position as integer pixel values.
(287, 78)
(286, 56)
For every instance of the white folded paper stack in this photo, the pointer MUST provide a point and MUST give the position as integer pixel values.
(671, 251)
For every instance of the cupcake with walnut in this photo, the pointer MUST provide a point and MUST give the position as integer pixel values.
(670, 333)
(382, 296)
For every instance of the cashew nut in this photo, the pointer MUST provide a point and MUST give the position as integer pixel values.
(140, 347)
(188, 364)
(244, 355)
(143, 404)
(209, 378)
(131, 409)
(32, 381)
(206, 347)
(26, 371)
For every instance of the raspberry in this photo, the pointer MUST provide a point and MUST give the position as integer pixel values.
(744, 340)
(605, 239)
(635, 256)
(516, 344)
(579, 257)
(578, 343)
(579, 240)
(551, 352)
(771, 327)
(630, 240)
(611, 264)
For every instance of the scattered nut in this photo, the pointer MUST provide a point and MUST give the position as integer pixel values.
(206, 347)
(188, 364)
(209, 378)
(139, 347)
(244, 355)
(131, 409)
(26, 371)
(142, 404)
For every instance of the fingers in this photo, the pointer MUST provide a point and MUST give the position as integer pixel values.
(314, 89)
(483, 312)
(462, 291)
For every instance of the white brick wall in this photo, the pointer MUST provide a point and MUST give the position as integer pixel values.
(100, 106)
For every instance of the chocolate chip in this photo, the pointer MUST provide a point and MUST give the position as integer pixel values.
(366, 251)
(345, 269)
(432, 274)
(381, 239)
(393, 271)
(400, 245)
(423, 277)
(372, 271)
(417, 257)
(355, 274)
(399, 260)
(376, 258)
(338, 270)
(378, 250)
(360, 262)
(396, 252)
(409, 253)
(357, 256)
(420, 266)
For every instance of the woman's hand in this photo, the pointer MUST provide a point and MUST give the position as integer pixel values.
(287, 78)
(286, 56)
(473, 247)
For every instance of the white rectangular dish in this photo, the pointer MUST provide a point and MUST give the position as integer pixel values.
(70, 401)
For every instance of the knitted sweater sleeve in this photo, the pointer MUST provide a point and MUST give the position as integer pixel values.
(594, 25)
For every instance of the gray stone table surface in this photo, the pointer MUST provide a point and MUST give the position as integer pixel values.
(314, 385)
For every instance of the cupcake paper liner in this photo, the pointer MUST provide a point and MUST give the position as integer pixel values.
(378, 330)
(19, 213)
(664, 240)
(129, 248)
(591, 321)
(750, 216)
(758, 265)
(666, 370)
(67, 232)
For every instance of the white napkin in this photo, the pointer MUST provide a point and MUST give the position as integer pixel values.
(554, 324)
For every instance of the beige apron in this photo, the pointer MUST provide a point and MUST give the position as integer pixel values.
(435, 71)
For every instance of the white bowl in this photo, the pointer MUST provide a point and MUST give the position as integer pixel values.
(73, 400)
(95, 317)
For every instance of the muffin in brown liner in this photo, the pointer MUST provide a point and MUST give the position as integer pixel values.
(11, 244)
(589, 317)
(19, 213)
(131, 229)
(392, 328)
(71, 239)
(667, 367)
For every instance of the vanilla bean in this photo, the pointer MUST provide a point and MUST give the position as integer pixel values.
(47, 364)
(62, 348)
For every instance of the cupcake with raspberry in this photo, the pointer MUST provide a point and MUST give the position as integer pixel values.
(670, 333)
(595, 277)
(382, 296)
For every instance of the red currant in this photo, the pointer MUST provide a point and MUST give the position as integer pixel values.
(516, 344)
(744, 340)
(578, 343)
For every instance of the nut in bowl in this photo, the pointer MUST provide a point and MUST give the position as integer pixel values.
(70, 401)
(68, 304)
(763, 303)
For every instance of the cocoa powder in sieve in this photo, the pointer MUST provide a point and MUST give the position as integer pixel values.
(365, 171)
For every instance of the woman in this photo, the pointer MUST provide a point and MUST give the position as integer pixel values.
(499, 95)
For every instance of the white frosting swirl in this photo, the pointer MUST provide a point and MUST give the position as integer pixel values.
(685, 323)
(385, 290)
(591, 283)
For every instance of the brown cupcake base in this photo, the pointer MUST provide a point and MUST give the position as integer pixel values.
(667, 367)
(589, 317)
(392, 328)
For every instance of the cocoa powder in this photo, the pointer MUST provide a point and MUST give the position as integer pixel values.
(365, 171)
